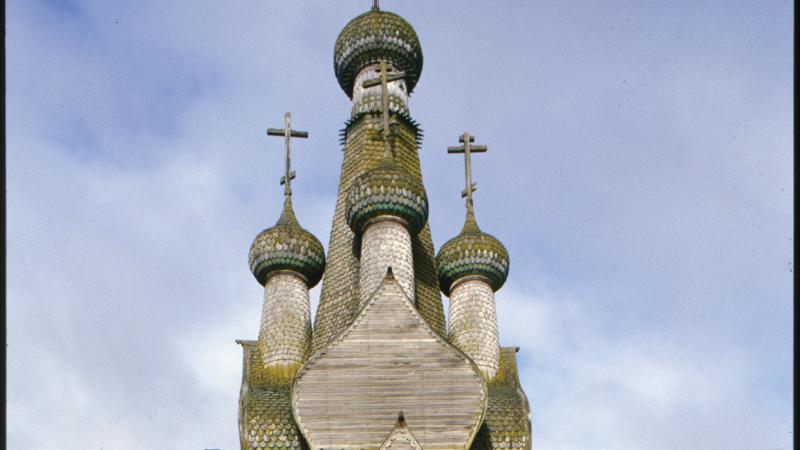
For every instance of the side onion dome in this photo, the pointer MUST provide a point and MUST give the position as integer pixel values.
(472, 253)
(373, 36)
(386, 190)
(287, 246)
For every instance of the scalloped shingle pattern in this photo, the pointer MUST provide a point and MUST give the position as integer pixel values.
(265, 407)
(387, 190)
(386, 244)
(472, 252)
(340, 297)
(507, 422)
(373, 36)
(287, 246)
(472, 324)
(284, 340)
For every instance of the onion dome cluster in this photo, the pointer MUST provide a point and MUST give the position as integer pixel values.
(287, 246)
(472, 253)
(374, 36)
(386, 190)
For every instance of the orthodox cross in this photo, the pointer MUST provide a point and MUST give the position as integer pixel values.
(288, 133)
(468, 149)
(384, 80)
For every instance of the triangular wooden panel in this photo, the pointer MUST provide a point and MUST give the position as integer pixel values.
(347, 396)
(401, 437)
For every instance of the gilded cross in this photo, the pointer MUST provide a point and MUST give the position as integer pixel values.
(288, 133)
(385, 78)
(467, 148)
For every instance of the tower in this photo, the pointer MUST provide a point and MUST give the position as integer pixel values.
(380, 369)
(472, 266)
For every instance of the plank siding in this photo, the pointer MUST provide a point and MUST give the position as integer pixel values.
(348, 395)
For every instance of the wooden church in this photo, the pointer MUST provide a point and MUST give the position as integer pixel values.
(380, 368)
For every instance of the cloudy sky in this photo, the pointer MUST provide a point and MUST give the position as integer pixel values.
(639, 172)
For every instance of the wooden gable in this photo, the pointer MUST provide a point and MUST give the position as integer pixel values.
(348, 395)
(401, 437)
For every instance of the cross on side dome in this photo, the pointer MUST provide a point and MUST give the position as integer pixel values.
(287, 246)
(288, 133)
(472, 252)
(468, 149)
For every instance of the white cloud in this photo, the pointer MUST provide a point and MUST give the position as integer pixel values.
(649, 288)
(588, 389)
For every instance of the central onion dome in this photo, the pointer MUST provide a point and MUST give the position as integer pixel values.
(373, 36)
(386, 190)
(472, 253)
(287, 246)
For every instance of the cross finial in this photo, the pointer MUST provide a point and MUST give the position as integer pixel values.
(468, 149)
(288, 133)
(384, 79)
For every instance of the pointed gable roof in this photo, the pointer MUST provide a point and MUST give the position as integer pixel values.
(401, 437)
(389, 360)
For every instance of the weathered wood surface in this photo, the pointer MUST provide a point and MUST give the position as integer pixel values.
(401, 438)
(473, 324)
(349, 395)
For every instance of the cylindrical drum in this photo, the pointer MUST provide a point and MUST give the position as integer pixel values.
(473, 323)
(284, 340)
(386, 243)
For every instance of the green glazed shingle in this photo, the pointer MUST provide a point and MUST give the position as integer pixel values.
(472, 253)
(387, 190)
(373, 36)
(287, 246)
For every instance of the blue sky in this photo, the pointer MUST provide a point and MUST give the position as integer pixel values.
(639, 171)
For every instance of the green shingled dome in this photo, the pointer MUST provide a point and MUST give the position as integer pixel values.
(373, 36)
(472, 253)
(386, 190)
(287, 246)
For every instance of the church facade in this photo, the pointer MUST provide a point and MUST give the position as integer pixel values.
(380, 367)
